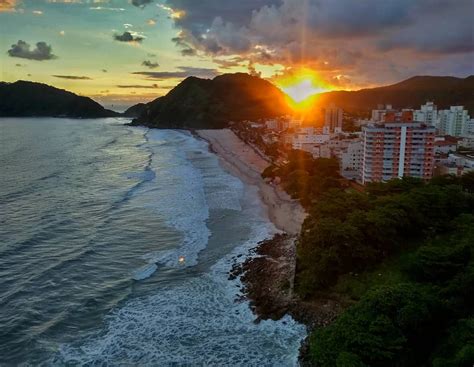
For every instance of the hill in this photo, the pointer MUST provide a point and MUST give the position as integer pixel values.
(445, 91)
(206, 103)
(135, 110)
(29, 99)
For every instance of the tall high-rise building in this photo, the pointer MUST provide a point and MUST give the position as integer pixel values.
(428, 113)
(333, 118)
(454, 122)
(397, 149)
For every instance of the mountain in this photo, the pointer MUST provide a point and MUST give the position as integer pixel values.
(445, 91)
(29, 99)
(206, 103)
(135, 110)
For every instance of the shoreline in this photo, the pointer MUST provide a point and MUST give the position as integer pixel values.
(243, 162)
(268, 271)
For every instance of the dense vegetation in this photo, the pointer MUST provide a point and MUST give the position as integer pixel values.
(28, 99)
(205, 103)
(400, 253)
(424, 320)
(306, 178)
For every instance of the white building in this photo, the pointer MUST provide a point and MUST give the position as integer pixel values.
(467, 142)
(378, 115)
(457, 164)
(428, 113)
(351, 160)
(333, 118)
(299, 139)
(454, 122)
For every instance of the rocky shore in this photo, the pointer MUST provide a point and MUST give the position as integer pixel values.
(268, 276)
(268, 273)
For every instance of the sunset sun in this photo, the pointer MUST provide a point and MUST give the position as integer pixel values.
(301, 85)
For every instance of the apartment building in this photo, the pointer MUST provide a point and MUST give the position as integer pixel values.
(397, 149)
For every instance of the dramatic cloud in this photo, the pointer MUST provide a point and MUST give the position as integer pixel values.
(23, 50)
(141, 3)
(7, 5)
(127, 37)
(153, 86)
(183, 72)
(337, 38)
(72, 77)
(150, 64)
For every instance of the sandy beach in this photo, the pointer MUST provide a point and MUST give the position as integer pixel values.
(244, 162)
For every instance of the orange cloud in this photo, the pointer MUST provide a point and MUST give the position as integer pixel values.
(8, 5)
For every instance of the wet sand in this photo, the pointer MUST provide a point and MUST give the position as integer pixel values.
(244, 162)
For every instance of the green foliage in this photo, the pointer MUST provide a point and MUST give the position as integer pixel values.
(349, 231)
(457, 348)
(390, 326)
(306, 178)
(405, 250)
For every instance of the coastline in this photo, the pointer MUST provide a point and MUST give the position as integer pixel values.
(269, 269)
(243, 161)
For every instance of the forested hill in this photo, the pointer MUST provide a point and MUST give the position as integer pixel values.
(445, 91)
(399, 255)
(205, 103)
(29, 99)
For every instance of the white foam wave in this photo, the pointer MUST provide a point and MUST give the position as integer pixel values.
(195, 323)
(144, 272)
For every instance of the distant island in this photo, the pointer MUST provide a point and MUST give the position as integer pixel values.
(29, 99)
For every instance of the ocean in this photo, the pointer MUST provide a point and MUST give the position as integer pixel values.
(115, 247)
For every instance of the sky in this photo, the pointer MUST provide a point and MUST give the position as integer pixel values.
(121, 52)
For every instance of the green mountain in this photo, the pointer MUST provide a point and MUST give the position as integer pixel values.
(445, 91)
(206, 103)
(29, 99)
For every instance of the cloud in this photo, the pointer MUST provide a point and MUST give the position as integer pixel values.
(8, 5)
(23, 50)
(141, 3)
(127, 37)
(72, 77)
(182, 72)
(106, 8)
(344, 37)
(138, 86)
(150, 64)
(229, 63)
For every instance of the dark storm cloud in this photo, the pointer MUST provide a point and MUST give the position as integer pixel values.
(127, 37)
(150, 64)
(183, 72)
(23, 50)
(72, 77)
(200, 14)
(141, 3)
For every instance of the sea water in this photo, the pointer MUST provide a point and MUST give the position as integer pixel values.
(115, 247)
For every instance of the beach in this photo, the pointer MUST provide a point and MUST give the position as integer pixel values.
(243, 161)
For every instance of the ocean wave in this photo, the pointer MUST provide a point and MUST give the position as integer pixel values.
(195, 323)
